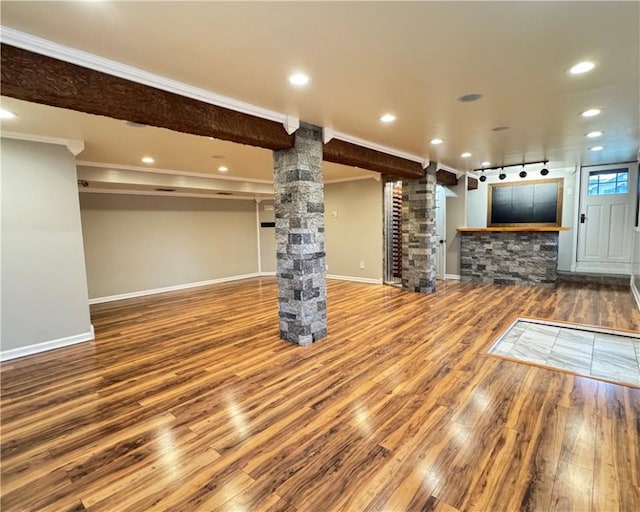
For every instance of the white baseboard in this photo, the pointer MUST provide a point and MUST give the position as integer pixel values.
(367, 280)
(142, 293)
(264, 274)
(594, 268)
(453, 277)
(635, 291)
(14, 353)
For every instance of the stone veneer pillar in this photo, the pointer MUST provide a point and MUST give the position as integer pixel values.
(299, 212)
(419, 233)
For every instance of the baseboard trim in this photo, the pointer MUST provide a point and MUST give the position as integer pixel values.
(621, 269)
(154, 291)
(367, 280)
(452, 277)
(635, 291)
(48, 345)
(267, 274)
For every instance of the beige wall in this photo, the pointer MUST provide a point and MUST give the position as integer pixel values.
(136, 243)
(44, 288)
(354, 233)
(267, 237)
(456, 217)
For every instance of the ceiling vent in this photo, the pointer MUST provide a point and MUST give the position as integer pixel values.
(224, 193)
(166, 189)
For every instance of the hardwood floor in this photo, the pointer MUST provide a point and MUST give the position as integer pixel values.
(189, 401)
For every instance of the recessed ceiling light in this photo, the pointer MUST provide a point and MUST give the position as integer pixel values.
(387, 118)
(223, 168)
(594, 134)
(299, 79)
(596, 148)
(436, 141)
(485, 164)
(591, 112)
(470, 97)
(6, 114)
(466, 154)
(147, 160)
(581, 67)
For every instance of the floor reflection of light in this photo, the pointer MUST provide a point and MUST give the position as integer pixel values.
(236, 415)
(169, 457)
(362, 420)
(480, 399)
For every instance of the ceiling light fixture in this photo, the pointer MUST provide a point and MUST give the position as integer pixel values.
(299, 79)
(581, 67)
(147, 160)
(485, 164)
(591, 112)
(466, 154)
(6, 114)
(523, 173)
(387, 118)
(594, 134)
(435, 142)
(483, 178)
(544, 171)
(502, 175)
(223, 168)
(596, 148)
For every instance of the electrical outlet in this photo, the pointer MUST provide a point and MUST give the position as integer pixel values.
(362, 264)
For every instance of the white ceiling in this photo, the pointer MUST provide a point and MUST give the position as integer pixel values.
(413, 59)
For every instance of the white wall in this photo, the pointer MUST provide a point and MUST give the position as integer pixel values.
(456, 217)
(267, 237)
(138, 243)
(44, 288)
(477, 207)
(353, 228)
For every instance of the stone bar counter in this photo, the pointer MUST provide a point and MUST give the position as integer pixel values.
(524, 256)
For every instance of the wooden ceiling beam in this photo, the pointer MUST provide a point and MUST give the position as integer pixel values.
(446, 178)
(40, 79)
(347, 153)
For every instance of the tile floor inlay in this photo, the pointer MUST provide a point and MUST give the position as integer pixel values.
(584, 350)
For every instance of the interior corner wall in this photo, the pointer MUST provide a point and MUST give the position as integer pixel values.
(266, 214)
(136, 243)
(44, 288)
(456, 217)
(353, 229)
(477, 206)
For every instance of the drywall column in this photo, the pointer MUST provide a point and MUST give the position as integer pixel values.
(419, 233)
(299, 212)
(44, 284)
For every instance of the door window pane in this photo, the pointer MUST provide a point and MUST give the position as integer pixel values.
(615, 181)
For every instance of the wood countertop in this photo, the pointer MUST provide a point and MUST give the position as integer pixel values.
(515, 228)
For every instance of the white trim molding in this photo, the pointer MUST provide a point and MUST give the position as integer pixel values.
(75, 146)
(366, 280)
(88, 60)
(451, 169)
(376, 147)
(173, 288)
(375, 176)
(48, 345)
(122, 167)
(131, 192)
(452, 277)
(635, 291)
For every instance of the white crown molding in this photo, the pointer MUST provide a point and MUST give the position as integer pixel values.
(88, 60)
(130, 192)
(121, 167)
(291, 124)
(75, 146)
(376, 147)
(327, 135)
(375, 177)
(47, 345)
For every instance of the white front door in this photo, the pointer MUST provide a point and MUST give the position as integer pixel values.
(441, 243)
(608, 195)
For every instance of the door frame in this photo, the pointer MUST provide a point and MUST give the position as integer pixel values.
(581, 174)
(443, 266)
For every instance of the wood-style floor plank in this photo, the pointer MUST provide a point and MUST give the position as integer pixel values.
(189, 401)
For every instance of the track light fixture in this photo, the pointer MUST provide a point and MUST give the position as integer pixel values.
(502, 175)
(544, 171)
(523, 173)
(501, 167)
(483, 178)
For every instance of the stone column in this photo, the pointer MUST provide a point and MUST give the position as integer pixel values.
(299, 210)
(419, 233)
